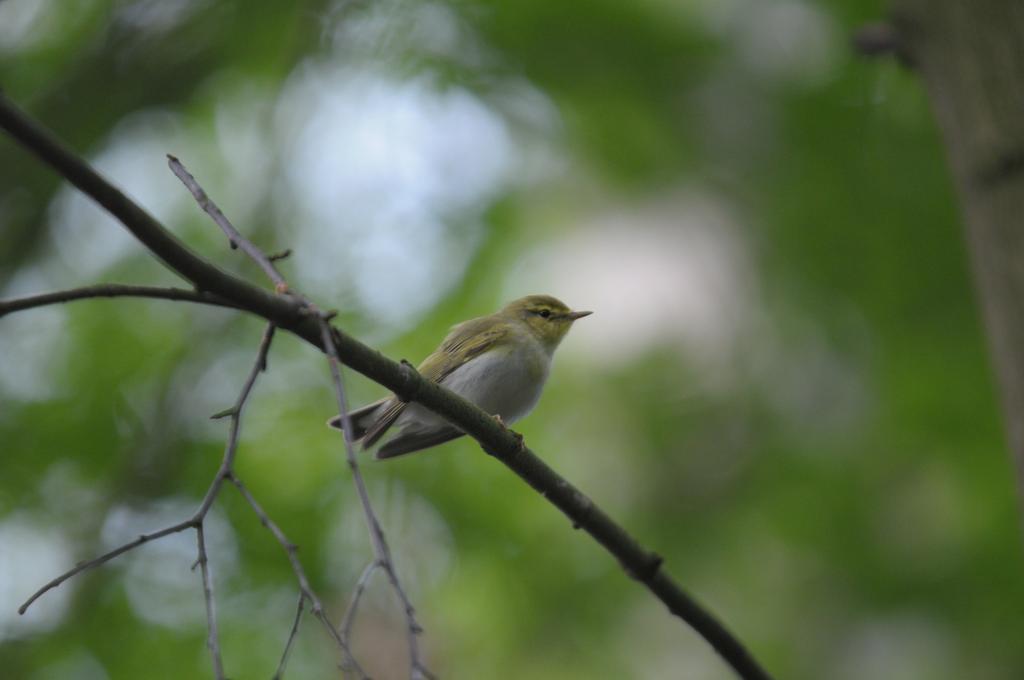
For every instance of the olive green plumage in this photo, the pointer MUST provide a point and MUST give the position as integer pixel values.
(499, 362)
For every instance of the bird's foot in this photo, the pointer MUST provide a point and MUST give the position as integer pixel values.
(519, 437)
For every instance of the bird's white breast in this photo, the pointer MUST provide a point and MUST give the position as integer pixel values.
(506, 381)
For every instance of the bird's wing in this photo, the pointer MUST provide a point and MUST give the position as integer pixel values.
(409, 442)
(465, 341)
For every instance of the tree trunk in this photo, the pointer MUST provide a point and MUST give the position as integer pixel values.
(970, 55)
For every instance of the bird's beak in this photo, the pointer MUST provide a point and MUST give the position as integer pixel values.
(578, 315)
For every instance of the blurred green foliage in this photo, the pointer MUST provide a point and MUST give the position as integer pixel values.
(784, 389)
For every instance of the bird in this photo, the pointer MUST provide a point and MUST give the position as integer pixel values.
(499, 362)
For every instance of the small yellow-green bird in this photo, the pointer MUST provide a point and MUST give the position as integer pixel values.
(499, 362)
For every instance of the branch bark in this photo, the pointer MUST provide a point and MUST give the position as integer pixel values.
(291, 315)
(111, 290)
(970, 55)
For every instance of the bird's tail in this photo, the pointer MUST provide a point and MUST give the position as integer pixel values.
(361, 419)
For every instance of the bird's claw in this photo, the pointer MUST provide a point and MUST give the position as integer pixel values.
(519, 437)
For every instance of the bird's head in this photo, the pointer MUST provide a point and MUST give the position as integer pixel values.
(548, 317)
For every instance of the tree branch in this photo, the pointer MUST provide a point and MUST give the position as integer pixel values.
(380, 545)
(112, 290)
(105, 557)
(163, 244)
(404, 381)
(417, 669)
(212, 637)
(305, 589)
(970, 58)
(224, 472)
(279, 673)
(234, 237)
(357, 596)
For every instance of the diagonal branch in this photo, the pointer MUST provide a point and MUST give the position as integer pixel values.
(291, 315)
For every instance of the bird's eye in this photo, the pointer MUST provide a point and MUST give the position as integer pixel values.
(545, 313)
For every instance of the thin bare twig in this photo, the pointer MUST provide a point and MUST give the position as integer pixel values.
(194, 522)
(281, 286)
(105, 557)
(291, 637)
(225, 473)
(212, 637)
(380, 545)
(357, 595)
(235, 428)
(305, 588)
(234, 237)
(112, 290)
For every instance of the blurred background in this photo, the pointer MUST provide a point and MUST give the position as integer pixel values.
(784, 388)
